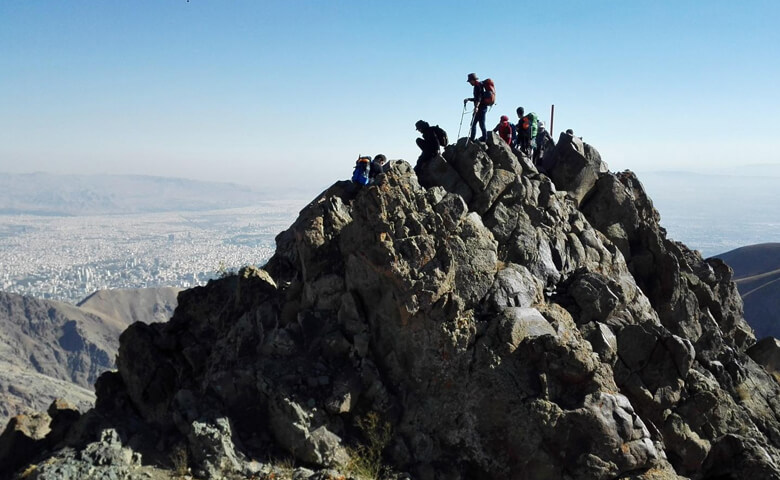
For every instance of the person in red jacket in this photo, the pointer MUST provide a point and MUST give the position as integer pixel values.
(504, 129)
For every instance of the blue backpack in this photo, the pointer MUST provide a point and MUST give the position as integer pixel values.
(362, 168)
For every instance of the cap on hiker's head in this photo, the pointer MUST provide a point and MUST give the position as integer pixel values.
(420, 124)
(472, 76)
(541, 124)
(504, 118)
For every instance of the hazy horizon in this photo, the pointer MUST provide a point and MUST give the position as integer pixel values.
(711, 212)
(269, 93)
(738, 170)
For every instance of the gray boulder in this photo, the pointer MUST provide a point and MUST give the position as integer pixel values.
(767, 354)
(575, 166)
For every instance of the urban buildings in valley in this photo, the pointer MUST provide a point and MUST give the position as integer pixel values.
(68, 258)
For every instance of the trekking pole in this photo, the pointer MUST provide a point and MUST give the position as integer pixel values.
(461, 119)
(473, 121)
(552, 119)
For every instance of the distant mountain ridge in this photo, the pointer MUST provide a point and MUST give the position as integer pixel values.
(51, 349)
(133, 304)
(749, 170)
(66, 195)
(757, 275)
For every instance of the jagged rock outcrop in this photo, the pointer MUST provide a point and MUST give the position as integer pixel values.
(767, 354)
(482, 321)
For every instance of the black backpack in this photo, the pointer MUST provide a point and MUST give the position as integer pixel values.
(441, 135)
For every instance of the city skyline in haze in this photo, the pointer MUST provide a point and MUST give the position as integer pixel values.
(273, 93)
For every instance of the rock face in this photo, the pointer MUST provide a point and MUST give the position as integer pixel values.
(493, 323)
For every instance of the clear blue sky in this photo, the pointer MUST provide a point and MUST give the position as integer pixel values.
(267, 92)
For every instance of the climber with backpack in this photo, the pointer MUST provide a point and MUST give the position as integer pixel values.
(484, 97)
(544, 144)
(378, 166)
(505, 130)
(526, 131)
(361, 173)
(433, 137)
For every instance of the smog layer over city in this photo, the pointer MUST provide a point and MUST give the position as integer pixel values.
(68, 258)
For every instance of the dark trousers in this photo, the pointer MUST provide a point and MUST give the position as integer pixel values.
(427, 151)
(525, 144)
(479, 118)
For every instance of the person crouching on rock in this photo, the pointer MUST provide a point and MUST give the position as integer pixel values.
(377, 167)
(361, 173)
(429, 144)
(504, 129)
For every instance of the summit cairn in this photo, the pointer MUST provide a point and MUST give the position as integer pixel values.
(478, 321)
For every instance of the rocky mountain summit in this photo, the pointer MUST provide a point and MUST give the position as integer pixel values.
(481, 321)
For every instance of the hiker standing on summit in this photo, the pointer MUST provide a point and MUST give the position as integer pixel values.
(482, 100)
